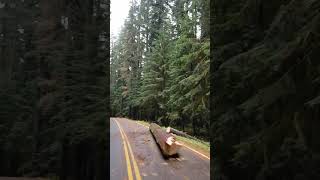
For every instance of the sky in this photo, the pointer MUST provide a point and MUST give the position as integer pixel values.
(119, 12)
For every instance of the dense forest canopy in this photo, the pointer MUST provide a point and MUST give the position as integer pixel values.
(160, 64)
(54, 88)
(255, 87)
(265, 91)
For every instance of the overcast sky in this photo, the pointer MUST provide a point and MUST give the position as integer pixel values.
(119, 12)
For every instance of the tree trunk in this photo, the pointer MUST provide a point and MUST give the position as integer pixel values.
(166, 141)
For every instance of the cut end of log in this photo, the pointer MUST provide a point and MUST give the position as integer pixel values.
(170, 141)
(166, 141)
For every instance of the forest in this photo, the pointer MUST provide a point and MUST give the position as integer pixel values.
(54, 88)
(244, 74)
(265, 89)
(160, 65)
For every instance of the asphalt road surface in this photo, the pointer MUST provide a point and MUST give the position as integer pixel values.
(134, 155)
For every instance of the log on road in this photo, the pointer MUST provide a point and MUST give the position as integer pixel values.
(167, 143)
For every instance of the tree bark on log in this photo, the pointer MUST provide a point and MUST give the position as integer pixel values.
(167, 143)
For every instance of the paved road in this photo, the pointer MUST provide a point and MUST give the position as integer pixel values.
(135, 155)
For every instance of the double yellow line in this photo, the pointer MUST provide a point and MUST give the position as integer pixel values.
(127, 146)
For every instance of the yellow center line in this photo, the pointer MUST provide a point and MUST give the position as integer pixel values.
(130, 177)
(135, 165)
(182, 144)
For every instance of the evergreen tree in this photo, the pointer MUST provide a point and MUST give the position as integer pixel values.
(54, 88)
(160, 64)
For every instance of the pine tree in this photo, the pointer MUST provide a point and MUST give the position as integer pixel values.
(54, 88)
(155, 77)
(167, 40)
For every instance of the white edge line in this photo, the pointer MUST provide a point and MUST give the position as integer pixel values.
(196, 151)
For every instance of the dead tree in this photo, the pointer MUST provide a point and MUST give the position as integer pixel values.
(167, 142)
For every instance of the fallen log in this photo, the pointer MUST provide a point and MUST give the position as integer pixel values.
(180, 133)
(177, 132)
(167, 143)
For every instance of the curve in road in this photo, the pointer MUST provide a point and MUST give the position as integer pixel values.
(146, 158)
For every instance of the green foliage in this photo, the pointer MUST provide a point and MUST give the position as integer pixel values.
(160, 65)
(264, 82)
(54, 87)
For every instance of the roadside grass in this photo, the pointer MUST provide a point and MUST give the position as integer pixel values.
(143, 122)
(201, 146)
(197, 144)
